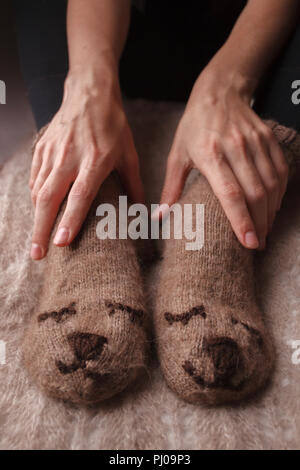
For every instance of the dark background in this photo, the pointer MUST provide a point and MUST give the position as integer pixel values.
(16, 122)
(170, 38)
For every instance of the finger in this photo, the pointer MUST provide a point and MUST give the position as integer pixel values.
(131, 178)
(48, 201)
(249, 180)
(176, 174)
(231, 197)
(36, 163)
(82, 194)
(43, 174)
(281, 166)
(263, 163)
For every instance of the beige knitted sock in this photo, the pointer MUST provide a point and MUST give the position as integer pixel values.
(87, 338)
(289, 140)
(212, 342)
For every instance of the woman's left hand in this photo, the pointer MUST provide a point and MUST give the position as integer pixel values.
(236, 151)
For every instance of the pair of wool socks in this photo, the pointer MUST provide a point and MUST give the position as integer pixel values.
(88, 337)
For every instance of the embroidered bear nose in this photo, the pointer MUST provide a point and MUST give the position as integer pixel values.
(86, 346)
(226, 357)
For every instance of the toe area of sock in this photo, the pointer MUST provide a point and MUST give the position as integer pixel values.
(84, 386)
(61, 376)
(90, 387)
(227, 376)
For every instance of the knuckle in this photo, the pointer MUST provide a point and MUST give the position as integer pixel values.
(46, 152)
(217, 157)
(214, 154)
(214, 146)
(49, 147)
(210, 151)
(258, 194)
(95, 157)
(238, 139)
(39, 147)
(60, 168)
(81, 190)
(60, 161)
(44, 172)
(231, 192)
(256, 136)
(93, 152)
(266, 132)
(44, 196)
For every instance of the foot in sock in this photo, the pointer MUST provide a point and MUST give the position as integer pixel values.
(87, 338)
(212, 342)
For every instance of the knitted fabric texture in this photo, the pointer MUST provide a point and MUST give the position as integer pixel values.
(87, 339)
(147, 415)
(289, 139)
(212, 342)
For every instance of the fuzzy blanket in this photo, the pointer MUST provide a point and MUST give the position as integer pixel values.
(149, 415)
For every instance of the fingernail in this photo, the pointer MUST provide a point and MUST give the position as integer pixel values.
(251, 240)
(36, 251)
(61, 237)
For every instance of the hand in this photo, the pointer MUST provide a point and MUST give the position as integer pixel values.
(86, 140)
(222, 136)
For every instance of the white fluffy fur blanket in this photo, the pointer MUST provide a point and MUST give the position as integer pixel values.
(151, 416)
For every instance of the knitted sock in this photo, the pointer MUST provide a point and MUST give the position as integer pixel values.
(212, 342)
(289, 139)
(87, 339)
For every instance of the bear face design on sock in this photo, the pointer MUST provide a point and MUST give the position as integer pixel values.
(135, 315)
(60, 315)
(252, 331)
(64, 313)
(185, 317)
(227, 361)
(86, 347)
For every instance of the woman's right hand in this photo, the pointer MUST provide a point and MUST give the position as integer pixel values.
(87, 138)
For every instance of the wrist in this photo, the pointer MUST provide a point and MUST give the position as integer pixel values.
(218, 81)
(99, 75)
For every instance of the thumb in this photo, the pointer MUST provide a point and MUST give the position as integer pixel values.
(176, 174)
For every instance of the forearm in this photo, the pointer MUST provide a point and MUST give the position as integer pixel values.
(255, 41)
(97, 31)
